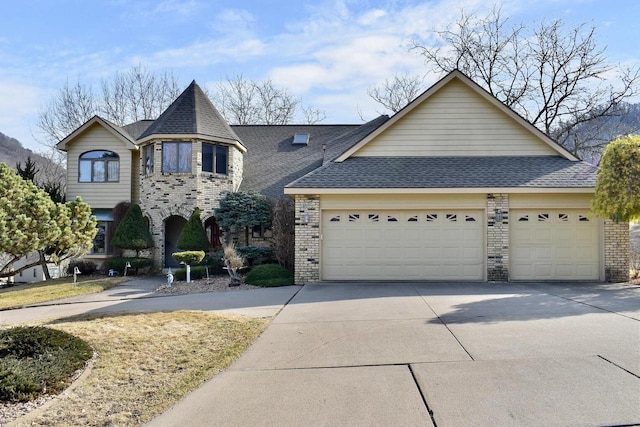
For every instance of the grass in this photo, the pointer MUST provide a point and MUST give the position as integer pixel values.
(145, 363)
(33, 293)
(269, 275)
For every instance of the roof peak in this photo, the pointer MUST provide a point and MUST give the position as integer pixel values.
(192, 113)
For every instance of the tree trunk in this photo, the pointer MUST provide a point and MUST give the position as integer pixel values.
(45, 267)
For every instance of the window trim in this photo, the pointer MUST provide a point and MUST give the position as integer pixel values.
(148, 151)
(214, 158)
(178, 144)
(92, 162)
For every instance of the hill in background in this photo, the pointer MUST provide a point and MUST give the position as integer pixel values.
(12, 152)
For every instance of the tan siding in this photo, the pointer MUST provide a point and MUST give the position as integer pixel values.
(566, 201)
(456, 121)
(99, 194)
(402, 201)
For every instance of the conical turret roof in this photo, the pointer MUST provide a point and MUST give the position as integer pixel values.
(192, 113)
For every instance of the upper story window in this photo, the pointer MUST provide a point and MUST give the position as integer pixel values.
(99, 166)
(176, 157)
(214, 158)
(147, 159)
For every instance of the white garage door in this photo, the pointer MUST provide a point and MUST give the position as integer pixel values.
(403, 245)
(554, 245)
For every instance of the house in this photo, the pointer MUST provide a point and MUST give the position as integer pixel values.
(33, 274)
(456, 186)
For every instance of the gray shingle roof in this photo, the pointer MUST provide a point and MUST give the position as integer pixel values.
(192, 113)
(136, 129)
(272, 161)
(451, 172)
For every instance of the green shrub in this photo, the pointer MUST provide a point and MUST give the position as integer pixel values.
(269, 275)
(256, 255)
(214, 262)
(197, 272)
(38, 359)
(85, 266)
(118, 264)
(188, 257)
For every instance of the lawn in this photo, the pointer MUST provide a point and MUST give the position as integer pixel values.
(33, 293)
(144, 363)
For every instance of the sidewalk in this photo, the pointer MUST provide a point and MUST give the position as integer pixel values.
(139, 295)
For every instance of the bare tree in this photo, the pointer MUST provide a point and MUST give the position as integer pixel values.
(276, 105)
(245, 102)
(312, 115)
(72, 106)
(557, 79)
(394, 93)
(126, 97)
(236, 100)
(137, 94)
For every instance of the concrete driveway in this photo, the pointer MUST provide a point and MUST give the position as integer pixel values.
(443, 354)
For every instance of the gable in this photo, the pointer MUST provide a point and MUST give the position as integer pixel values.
(115, 134)
(456, 118)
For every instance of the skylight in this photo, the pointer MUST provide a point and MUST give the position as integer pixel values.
(301, 139)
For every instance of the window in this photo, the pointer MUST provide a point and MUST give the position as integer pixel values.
(101, 243)
(99, 166)
(214, 158)
(176, 157)
(147, 159)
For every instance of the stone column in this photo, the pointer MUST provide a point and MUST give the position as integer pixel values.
(498, 237)
(617, 251)
(307, 239)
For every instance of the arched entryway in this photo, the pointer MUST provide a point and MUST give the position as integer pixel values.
(172, 228)
(213, 233)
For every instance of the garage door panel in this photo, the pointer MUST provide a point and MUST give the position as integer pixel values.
(410, 245)
(554, 245)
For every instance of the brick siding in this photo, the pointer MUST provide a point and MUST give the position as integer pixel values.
(497, 237)
(307, 239)
(617, 251)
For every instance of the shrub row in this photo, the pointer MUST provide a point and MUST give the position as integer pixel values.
(267, 275)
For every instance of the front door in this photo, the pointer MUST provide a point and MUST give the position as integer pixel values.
(172, 228)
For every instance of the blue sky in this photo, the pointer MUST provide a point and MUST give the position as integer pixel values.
(327, 53)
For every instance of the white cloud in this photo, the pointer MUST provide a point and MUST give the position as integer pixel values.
(179, 7)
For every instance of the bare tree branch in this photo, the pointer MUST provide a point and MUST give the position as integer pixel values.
(558, 79)
(396, 92)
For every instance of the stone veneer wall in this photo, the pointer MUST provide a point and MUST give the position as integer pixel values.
(617, 251)
(307, 239)
(163, 195)
(497, 237)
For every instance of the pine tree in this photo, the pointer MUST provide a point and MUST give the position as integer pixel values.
(193, 237)
(133, 232)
